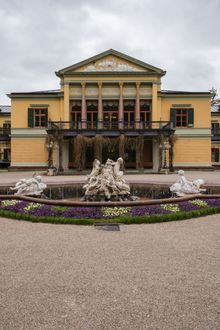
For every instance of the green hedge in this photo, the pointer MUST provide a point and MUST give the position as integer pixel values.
(123, 219)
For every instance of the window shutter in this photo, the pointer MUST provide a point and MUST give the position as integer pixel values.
(190, 117)
(173, 116)
(30, 117)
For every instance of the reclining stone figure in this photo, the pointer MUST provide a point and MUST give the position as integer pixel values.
(185, 187)
(30, 187)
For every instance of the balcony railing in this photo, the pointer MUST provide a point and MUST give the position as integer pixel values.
(216, 131)
(109, 125)
(5, 134)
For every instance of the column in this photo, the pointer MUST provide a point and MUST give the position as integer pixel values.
(83, 108)
(66, 103)
(155, 115)
(171, 145)
(137, 106)
(100, 106)
(121, 107)
(139, 152)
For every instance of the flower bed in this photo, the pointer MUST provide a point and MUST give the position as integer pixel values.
(38, 212)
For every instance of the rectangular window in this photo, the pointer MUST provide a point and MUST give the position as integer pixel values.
(40, 117)
(37, 117)
(215, 155)
(182, 117)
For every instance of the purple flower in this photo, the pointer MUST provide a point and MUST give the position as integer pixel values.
(82, 212)
(212, 202)
(187, 206)
(17, 208)
(42, 211)
(148, 210)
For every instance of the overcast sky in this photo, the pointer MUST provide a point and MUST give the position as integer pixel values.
(39, 37)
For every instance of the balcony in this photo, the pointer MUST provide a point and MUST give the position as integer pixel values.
(5, 134)
(216, 134)
(110, 128)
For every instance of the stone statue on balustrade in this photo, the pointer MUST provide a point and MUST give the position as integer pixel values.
(185, 187)
(30, 187)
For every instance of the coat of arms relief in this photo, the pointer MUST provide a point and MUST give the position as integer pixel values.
(111, 64)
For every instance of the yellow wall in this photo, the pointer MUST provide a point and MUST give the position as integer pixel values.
(19, 111)
(192, 150)
(4, 119)
(29, 150)
(201, 106)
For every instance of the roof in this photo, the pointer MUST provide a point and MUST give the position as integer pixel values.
(147, 66)
(52, 91)
(45, 93)
(5, 109)
(171, 92)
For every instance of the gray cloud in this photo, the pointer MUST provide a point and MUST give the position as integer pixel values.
(40, 37)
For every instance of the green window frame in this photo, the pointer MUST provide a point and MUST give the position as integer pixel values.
(182, 117)
(37, 117)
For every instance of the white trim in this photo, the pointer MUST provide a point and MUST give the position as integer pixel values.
(29, 164)
(198, 164)
(28, 132)
(193, 132)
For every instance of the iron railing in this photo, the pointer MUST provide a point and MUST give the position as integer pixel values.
(109, 125)
(5, 133)
(216, 131)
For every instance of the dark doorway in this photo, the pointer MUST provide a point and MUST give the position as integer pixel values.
(148, 154)
(110, 150)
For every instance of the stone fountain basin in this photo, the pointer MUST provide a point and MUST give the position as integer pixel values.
(109, 203)
(143, 190)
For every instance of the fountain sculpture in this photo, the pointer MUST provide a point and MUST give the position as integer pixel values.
(106, 182)
(185, 187)
(30, 187)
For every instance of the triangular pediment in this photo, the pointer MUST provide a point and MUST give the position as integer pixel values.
(110, 61)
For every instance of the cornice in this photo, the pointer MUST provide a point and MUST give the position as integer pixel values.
(111, 74)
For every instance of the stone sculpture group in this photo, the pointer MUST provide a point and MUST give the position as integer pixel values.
(185, 187)
(30, 187)
(106, 182)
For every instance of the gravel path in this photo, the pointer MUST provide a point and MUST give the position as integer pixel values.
(157, 276)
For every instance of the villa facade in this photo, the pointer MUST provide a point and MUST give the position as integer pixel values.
(5, 130)
(108, 106)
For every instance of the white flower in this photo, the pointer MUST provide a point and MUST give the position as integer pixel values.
(115, 211)
(199, 203)
(31, 206)
(170, 207)
(9, 202)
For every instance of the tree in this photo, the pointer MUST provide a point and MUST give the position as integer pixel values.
(215, 101)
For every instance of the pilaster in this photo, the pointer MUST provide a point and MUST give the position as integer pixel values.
(66, 103)
(100, 106)
(121, 107)
(137, 106)
(83, 107)
(155, 116)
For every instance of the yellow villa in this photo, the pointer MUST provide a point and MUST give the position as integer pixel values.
(5, 145)
(111, 105)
